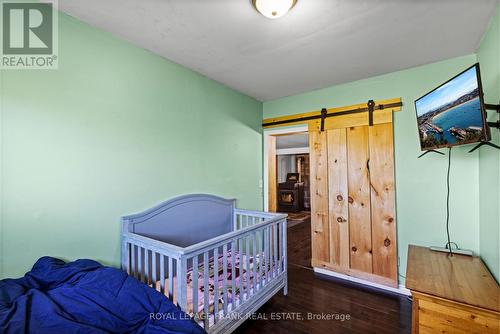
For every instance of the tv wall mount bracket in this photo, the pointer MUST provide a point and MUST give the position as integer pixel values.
(495, 107)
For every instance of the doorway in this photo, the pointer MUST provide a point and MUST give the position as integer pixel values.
(288, 185)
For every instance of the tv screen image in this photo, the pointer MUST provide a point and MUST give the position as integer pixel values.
(453, 113)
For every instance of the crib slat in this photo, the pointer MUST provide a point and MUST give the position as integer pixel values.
(154, 268)
(261, 258)
(134, 262)
(240, 225)
(264, 257)
(206, 288)
(181, 295)
(171, 278)
(216, 284)
(239, 228)
(162, 274)
(240, 253)
(254, 262)
(266, 254)
(269, 254)
(233, 274)
(131, 259)
(248, 256)
(141, 260)
(266, 240)
(151, 267)
(147, 273)
(285, 255)
(127, 261)
(275, 253)
(280, 249)
(195, 285)
(224, 278)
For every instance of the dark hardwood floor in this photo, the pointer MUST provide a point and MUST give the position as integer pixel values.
(299, 244)
(352, 308)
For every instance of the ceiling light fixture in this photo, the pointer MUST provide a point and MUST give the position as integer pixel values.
(273, 9)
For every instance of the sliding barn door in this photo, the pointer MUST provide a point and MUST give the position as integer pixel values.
(353, 198)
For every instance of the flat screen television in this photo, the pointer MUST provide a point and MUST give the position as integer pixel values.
(453, 113)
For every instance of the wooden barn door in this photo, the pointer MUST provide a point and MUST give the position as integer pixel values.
(353, 197)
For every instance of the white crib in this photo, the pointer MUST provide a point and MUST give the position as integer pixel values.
(217, 263)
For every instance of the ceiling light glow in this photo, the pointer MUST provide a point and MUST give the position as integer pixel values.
(273, 9)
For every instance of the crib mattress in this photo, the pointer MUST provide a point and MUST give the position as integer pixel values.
(216, 290)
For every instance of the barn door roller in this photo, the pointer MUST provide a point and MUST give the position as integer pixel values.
(324, 112)
(371, 108)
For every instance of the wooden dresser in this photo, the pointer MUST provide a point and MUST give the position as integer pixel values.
(451, 294)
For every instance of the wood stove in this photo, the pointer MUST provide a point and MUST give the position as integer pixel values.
(291, 194)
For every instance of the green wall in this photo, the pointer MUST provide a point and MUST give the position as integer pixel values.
(489, 159)
(117, 129)
(420, 183)
(113, 131)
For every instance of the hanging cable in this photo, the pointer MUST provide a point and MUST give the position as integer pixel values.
(448, 244)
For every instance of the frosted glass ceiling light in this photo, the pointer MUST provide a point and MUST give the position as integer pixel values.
(273, 8)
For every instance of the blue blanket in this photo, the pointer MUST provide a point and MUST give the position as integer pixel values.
(86, 297)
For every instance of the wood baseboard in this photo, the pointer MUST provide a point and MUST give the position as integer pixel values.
(401, 290)
(356, 274)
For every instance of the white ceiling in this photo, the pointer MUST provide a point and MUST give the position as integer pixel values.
(319, 43)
